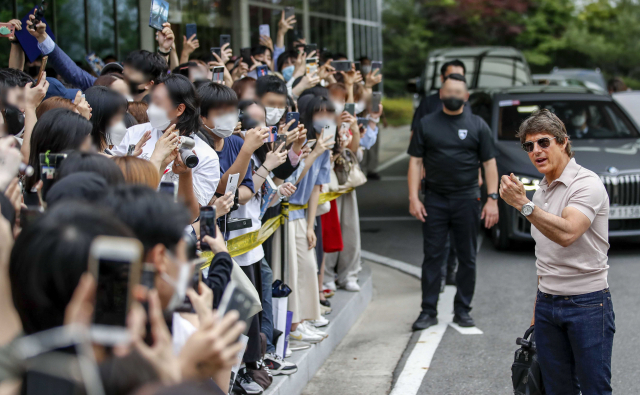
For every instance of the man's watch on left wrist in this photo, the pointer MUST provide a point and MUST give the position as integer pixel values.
(164, 53)
(493, 196)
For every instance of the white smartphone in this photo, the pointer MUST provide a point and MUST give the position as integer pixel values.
(115, 263)
(329, 130)
(232, 183)
(265, 30)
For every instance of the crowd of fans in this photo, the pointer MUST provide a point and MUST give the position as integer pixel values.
(85, 156)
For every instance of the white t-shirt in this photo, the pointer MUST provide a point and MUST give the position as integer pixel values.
(181, 330)
(249, 210)
(205, 176)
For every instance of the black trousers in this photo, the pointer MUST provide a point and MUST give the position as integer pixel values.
(462, 218)
(253, 352)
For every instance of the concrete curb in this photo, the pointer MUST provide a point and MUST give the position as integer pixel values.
(347, 308)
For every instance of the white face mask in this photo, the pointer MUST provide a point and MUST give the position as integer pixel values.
(360, 106)
(339, 106)
(116, 133)
(273, 115)
(579, 120)
(364, 70)
(158, 117)
(179, 286)
(224, 124)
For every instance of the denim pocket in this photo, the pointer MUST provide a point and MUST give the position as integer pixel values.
(588, 300)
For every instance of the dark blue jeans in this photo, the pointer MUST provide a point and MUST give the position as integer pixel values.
(574, 337)
(267, 304)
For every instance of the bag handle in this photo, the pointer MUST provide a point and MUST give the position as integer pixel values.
(524, 341)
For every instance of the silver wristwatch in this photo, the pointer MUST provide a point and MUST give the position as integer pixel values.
(527, 209)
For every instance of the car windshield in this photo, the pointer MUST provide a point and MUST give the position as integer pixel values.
(583, 119)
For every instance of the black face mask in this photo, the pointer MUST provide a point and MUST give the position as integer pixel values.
(133, 85)
(452, 103)
(14, 119)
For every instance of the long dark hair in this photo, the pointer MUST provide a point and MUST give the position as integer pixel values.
(105, 104)
(58, 130)
(316, 105)
(182, 91)
(261, 153)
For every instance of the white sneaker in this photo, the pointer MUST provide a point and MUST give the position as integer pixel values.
(351, 286)
(288, 353)
(295, 345)
(302, 334)
(320, 322)
(313, 330)
(331, 285)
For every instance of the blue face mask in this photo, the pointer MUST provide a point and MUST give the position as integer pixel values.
(287, 72)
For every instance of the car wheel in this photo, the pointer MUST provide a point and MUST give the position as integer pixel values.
(500, 231)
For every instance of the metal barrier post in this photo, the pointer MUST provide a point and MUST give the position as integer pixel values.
(284, 240)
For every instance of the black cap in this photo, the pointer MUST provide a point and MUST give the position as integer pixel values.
(112, 67)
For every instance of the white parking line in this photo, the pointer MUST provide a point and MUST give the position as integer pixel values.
(404, 267)
(392, 162)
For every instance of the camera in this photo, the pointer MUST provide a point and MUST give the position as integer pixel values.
(186, 152)
(38, 14)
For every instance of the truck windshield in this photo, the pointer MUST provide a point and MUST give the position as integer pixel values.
(583, 119)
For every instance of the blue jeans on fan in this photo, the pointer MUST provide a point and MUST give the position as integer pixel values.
(574, 339)
(267, 306)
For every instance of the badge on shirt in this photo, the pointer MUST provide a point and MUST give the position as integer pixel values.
(462, 133)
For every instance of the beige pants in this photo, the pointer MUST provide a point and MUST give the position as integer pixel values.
(302, 272)
(344, 266)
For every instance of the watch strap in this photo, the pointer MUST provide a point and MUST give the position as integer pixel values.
(493, 196)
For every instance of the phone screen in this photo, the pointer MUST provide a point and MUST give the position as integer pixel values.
(261, 71)
(234, 298)
(207, 225)
(112, 291)
(168, 187)
(310, 48)
(218, 74)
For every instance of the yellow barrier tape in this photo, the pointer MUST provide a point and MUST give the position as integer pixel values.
(248, 241)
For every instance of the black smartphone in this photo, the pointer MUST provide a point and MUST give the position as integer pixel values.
(358, 66)
(376, 97)
(169, 188)
(376, 65)
(217, 51)
(308, 48)
(207, 225)
(38, 14)
(234, 298)
(192, 30)
(289, 12)
(341, 65)
(49, 164)
(29, 215)
(282, 138)
(350, 108)
(293, 115)
(246, 56)
(362, 121)
(225, 39)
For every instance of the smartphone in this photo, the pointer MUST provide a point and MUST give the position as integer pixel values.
(350, 108)
(312, 66)
(95, 62)
(308, 48)
(232, 183)
(376, 97)
(169, 188)
(376, 65)
(217, 51)
(234, 298)
(245, 53)
(49, 164)
(29, 215)
(261, 71)
(131, 149)
(341, 65)
(295, 116)
(43, 66)
(192, 30)
(7, 30)
(282, 138)
(225, 39)
(264, 30)
(247, 122)
(358, 66)
(116, 265)
(309, 143)
(362, 121)
(158, 14)
(289, 12)
(329, 130)
(300, 48)
(273, 134)
(218, 74)
(207, 225)
(38, 13)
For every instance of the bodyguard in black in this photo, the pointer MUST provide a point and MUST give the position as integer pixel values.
(450, 143)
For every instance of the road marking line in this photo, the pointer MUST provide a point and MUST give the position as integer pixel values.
(392, 162)
(419, 360)
(404, 267)
(466, 331)
(399, 218)
(393, 178)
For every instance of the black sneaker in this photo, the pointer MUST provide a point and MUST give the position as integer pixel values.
(279, 366)
(424, 321)
(463, 319)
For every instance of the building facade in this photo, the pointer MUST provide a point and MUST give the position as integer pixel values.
(116, 27)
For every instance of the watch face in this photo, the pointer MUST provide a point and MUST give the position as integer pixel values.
(526, 210)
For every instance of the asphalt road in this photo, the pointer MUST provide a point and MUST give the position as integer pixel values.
(503, 302)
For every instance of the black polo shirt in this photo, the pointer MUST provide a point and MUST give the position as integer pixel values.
(451, 147)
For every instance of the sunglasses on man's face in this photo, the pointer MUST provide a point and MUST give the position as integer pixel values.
(544, 142)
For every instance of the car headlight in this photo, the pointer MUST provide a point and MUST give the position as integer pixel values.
(530, 183)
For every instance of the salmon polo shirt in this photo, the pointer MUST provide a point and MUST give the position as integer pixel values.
(581, 267)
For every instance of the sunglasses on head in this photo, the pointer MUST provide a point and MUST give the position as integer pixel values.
(544, 142)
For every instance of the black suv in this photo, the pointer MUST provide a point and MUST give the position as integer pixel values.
(603, 138)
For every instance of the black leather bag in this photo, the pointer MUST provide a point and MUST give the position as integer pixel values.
(525, 371)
